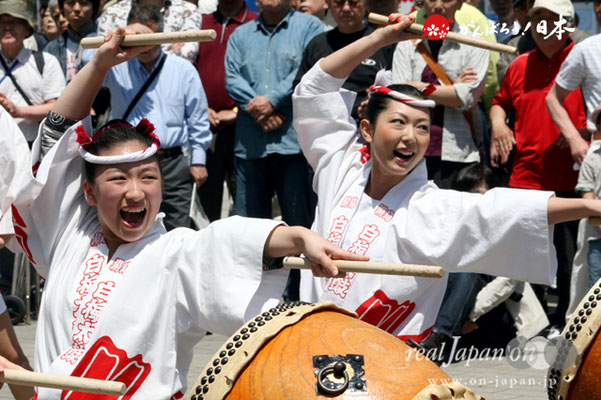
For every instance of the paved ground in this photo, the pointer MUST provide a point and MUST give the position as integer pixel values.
(494, 379)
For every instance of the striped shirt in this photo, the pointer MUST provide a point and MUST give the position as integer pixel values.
(582, 68)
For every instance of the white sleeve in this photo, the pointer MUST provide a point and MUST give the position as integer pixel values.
(221, 281)
(15, 167)
(504, 232)
(324, 126)
(401, 62)
(572, 72)
(52, 206)
(54, 78)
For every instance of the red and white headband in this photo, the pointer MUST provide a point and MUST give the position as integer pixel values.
(402, 97)
(144, 126)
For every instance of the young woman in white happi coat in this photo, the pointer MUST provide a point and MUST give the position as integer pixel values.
(125, 300)
(386, 208)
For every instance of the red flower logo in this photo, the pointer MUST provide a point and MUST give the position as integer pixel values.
(436, 27)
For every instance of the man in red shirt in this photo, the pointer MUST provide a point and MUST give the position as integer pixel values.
(542, 159)
(209, 62)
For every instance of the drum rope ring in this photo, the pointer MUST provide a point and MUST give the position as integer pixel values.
(325, 385)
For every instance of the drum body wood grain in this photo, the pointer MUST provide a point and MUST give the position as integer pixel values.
(284, 369)
(319, 351)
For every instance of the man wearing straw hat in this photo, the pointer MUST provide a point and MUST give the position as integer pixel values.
(30, 82)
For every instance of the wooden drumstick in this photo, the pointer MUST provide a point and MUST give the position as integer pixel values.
(451, 36)
(425, 271)
(76, 384)
(594, 221)
(144, 39)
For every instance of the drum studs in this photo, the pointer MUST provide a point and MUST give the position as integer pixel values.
(231, 352)
(568, 335)
(238, 344)
(224, 361)
(210, 371)
(251, 325)
(211, 378)
(597, 291)
(205, 389)
(585, 305)
(236, 338)
(591, 298)
(215, 362)
(217, 370)
(253, 330)
(599, 297)
(268, 318)
(571, 328)
(576, 320)
(244, 330)
(261, 323)
(578, 327)
(574, 335)
(222, 353)
(581, 312)
(202, 381)
(259, 319)
(245, 336)
(589, 311)
(583, 319)
(229, 345)
(594, 304)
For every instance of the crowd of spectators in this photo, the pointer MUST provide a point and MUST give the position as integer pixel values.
(222, 109)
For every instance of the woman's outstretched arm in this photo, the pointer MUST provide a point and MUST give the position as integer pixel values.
(561, 210)
(76, 100)
(342, 62)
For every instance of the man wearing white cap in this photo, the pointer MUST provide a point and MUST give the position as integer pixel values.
(582, 68)
(30, 83)
(541, 161)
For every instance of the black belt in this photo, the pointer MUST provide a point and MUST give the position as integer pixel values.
(169, 153)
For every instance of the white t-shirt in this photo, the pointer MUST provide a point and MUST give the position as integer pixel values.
(503, 232)
(38, 88)
(71, 62)
(136, 317)
(582, 67)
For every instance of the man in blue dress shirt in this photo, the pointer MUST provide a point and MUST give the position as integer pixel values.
(175, 103)
(261, 62)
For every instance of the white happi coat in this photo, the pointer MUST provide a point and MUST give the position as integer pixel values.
(15, 163)
(136, 317)
(503, 232)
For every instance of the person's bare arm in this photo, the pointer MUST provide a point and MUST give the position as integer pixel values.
(342, 62)
(562, 210)
(292, 240)
(554, 100)
(76, 100)
(502, 138)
